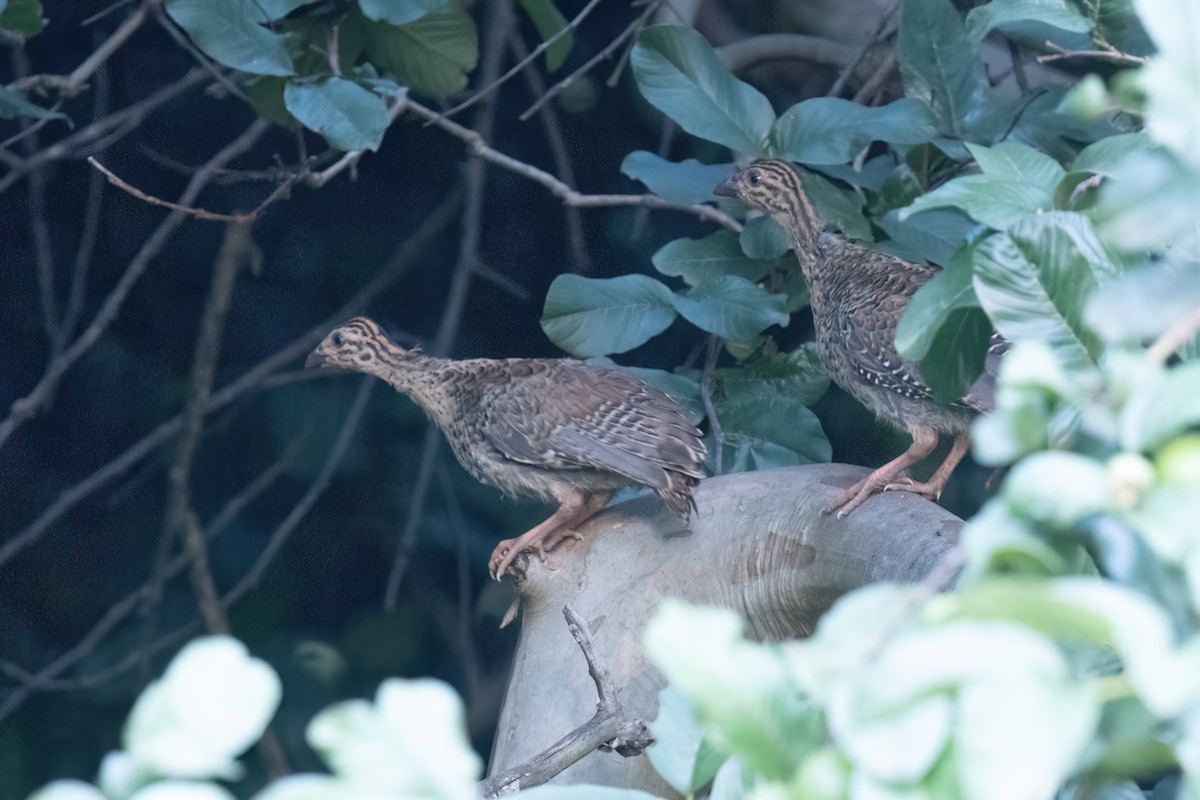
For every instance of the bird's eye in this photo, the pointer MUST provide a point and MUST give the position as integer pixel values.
(754, 178)
(338, 341)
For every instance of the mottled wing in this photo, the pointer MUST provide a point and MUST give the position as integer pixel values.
(565, 415)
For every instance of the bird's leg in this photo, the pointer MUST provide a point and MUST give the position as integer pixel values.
(933, 487)
(574, 508)
(924, 440)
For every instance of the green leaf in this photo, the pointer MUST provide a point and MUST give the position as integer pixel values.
(68, 789)
(683, 182)
(938, 64)
(584, 792)
(1162, 409)
(277, 9)
(957, 353)
(213, 701)
(1057, 489)
(1061, 14)
(799, 375)
(432, 55)
(548, 20)
(1034, 280)
(996, 202)
(950, 290)
(13, 105)
(841, 209)
(680, 74)
(1143, 303)
(1100, 157)
(754, 439)
(1150, 200)
(732, 308)
(764, 238)
(1015, 161)
(594, 316)
(231, 32)
(1171, 80)
(700, 261)
(679, 753)
(400, 12)
(935, 236)
(829, 130)
(376, 746)
(1117, 23)
(24, 17)
(347, 115)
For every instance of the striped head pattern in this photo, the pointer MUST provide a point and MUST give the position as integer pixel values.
(776, 188)
(359, 344)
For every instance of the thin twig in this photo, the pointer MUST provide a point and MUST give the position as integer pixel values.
(879, 35)
(199, 213)
(477, 146)
(603, 55)
(605, 730)
(1108, 53)
(707, 389)
(26, 407)
(1176, 336)
(350, 160)
(79, 76)
(432, 227)
(168, 25)
(546, 43)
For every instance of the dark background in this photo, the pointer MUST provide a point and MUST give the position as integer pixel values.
(317, 614)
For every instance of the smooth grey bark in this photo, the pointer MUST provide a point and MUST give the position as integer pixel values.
(760, 546)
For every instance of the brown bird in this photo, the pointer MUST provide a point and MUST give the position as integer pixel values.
(858, 295)
(556, 429)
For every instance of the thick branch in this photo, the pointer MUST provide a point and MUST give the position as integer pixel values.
(741, 55)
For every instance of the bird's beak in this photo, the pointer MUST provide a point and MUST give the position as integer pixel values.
(317, 359)
(727, 188)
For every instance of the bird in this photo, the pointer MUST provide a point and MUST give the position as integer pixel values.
(560, 430)
(858, 295)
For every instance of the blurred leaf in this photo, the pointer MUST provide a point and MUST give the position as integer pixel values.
(680, 753)
(400, 12)
(700, 261)
(231, 32)
(996, 202)
(731, 782)
(934, 236)
(312, 787)
(378, 746)
(595, 317)
(836, 207)
(182, 790)
(1034, 280)
(347, 115)
(957, 353)
(1061, 14)
(738, 688)
(1015, 161)
(1163, 409)
(1100, 157)
(432, 55)
(949, 290)
(1149, 201)
(1171, 80)
(13, 105)
(213, 701)
(829, 130)
(732, 308)
(938, 64)
(683, 182)
(584, 792)
(68, 790)
(1057, 489)
(548, 20)
(1143, 303)
(680, 74)
(764, 238)
(23, 16)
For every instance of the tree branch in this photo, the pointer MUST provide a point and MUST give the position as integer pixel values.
(741, 55)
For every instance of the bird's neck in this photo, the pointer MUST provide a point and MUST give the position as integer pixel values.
(412, 372)
(797, 216)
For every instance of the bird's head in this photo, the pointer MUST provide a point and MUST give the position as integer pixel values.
(359, 344)
(770, 186)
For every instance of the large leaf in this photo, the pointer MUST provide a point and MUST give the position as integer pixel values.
(996, 202)
(732, 308)
(764, 238)
(231, 32)
(829, 130)
(1148, 203)
(934, 236)
(595, 316)
(347, 115)
(799, 375)
(938, 64)
(400, 12)
(678, 72)
(754, 439)
(549, 20)
(700, 261)
(1015, 161)
(1143, 303)
(1061, 14)
(1034, 280)
(950, 290)
(957, 353)
(840, 208)
(680, 753)
(683, 182)
(1171, 80)
(432, 55)
(23, 16)
(1162, 409)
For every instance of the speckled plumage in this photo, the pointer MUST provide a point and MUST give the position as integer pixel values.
(556, 429)
(858, 295)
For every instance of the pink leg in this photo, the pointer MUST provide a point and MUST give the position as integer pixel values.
(932, 488)
(924, 440)
(573, 510)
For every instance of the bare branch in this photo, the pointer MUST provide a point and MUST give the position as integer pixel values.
(605, 730)
(1106, 52)
(881, 33)
(754, 50)
(1180, 333)
(79, 76)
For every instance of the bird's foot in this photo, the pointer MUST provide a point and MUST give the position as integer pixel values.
(505, 552)
(851, 499)
(929, 490)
